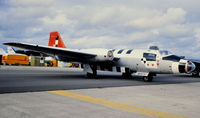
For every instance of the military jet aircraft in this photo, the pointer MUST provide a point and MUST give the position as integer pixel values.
(146, 63)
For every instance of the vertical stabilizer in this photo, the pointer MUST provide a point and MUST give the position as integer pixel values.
(55, 40)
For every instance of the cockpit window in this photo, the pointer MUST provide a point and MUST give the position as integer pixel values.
(150, 56)
(172, 58)
(165, 52)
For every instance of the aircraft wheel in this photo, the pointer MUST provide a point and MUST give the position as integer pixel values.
(196, 74)
(127, 75)
(91, 75)
(148, 78)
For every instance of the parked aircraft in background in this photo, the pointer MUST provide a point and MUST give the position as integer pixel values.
(2, 52)
(12, 58)
(10, 51)
(146, 63)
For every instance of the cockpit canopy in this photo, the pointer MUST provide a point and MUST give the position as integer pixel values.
(167, 55)
(172, 58)
(165, 52)
(153, 48)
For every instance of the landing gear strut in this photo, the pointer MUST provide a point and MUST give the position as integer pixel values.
(94, 72)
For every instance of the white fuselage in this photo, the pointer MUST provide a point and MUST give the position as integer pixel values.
(137, 60)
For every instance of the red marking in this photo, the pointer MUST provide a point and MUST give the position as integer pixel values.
(52, 40)
(152, 64)
(157, 64)
(147, 64)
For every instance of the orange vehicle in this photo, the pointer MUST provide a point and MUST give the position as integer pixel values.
(15, 59)
(52, 63)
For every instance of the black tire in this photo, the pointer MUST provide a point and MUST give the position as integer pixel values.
(127, 76)
(94, 72)
(195, 74)
(91, 75)
(148, 78)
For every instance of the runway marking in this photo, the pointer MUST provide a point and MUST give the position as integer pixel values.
(117, 105)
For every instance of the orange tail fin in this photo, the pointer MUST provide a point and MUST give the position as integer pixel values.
(55, 40)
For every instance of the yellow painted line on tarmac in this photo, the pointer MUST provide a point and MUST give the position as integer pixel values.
(112, 104)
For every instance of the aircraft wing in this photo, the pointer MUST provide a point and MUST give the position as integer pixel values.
(63, 54)
(195, 60)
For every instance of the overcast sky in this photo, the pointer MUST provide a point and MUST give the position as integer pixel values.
(170, 24)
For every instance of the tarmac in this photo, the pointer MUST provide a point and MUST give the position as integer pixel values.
(43, 92)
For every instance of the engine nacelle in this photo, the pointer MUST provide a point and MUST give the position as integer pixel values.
(106, 55)
(184, 66)
(175, 67)
(102, 54)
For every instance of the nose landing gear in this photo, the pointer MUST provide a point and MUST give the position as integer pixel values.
(149, 78)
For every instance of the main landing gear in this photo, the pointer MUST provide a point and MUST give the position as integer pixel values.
(92, 74)
(127, 75)
(148, 78)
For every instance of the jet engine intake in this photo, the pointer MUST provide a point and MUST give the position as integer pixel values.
(189, 67)
(186, 66)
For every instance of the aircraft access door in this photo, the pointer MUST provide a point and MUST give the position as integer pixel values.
(149, 61)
